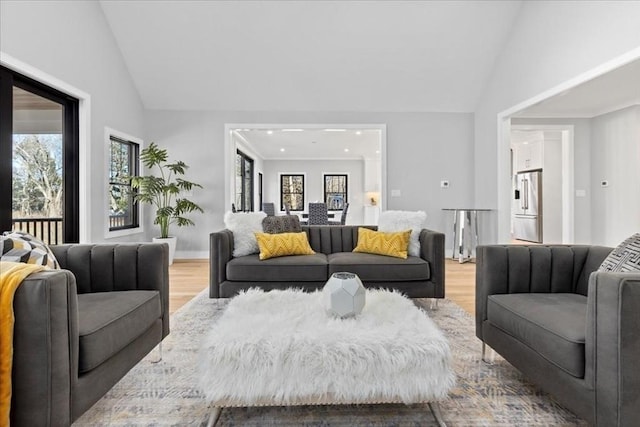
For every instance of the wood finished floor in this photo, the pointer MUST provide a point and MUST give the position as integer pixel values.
(189, 277)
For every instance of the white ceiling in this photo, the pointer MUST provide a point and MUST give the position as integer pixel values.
(313, 144)
(393, 56)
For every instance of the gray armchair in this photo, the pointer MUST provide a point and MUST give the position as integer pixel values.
(573, 331)
(79, 330)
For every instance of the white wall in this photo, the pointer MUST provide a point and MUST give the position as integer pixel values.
(550, 43)
(314, 185)
(72, 42)
(616, 159)
(422, 149)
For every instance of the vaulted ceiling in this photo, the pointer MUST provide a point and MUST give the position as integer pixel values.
(393, 56)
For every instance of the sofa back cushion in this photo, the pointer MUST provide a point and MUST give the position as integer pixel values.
(331, 239)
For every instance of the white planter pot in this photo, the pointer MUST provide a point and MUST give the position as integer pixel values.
(171, 241)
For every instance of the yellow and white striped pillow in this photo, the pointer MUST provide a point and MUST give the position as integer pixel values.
(380, 243)
(283, 244)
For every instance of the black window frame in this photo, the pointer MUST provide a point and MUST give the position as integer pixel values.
(70, 150)
(326, 193)
(134, 168)
(246, 162)
(282, 192)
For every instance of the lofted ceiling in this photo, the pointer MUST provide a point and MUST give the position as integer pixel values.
(392, 56)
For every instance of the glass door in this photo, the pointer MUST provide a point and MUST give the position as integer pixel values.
(38, 135)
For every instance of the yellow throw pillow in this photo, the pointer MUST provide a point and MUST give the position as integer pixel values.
(283, 244)
(380, 243)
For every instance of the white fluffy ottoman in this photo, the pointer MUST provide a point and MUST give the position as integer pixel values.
(280, 348)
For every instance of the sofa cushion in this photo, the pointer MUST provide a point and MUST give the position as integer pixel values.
(381, 243)
(283, 244)
(281, 224)
(379, 268)
(109, 321)
(553, 325)
(625, 257)
(304, 268)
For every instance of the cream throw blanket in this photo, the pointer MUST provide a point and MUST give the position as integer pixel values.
(11, 276)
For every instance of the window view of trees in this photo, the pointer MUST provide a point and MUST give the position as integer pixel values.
(244, 182)
(37, 176)
(123, 164)
(292, 192)
(335, 191)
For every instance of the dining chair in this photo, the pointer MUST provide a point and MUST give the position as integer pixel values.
(269, 208)
(318, 214)
(343, 216)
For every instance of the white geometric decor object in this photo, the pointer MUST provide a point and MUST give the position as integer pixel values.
(344, 295)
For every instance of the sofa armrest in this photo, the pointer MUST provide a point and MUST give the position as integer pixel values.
(119, 267)
(45, 362)
(613, 346)
(220, 253)
(432, 250)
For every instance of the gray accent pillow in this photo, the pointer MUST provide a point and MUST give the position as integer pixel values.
(281, 224)
(625, 257)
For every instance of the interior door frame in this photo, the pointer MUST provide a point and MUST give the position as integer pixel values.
(230, 150)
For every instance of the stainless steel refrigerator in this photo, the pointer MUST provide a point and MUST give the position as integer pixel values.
(527, 207)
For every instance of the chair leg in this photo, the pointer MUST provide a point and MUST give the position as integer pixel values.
(485, 359)
(435, 410)
(157, 353)
(214, 415)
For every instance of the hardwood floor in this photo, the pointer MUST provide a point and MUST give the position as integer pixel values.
(188, 277)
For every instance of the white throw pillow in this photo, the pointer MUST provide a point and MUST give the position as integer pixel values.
(244, 225)
(404, 220)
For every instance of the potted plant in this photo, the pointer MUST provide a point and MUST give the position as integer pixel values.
(163, 191)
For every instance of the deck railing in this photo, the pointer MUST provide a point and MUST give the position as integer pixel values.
(49, 230)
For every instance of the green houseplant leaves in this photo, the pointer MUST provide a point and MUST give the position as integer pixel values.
(163, 190)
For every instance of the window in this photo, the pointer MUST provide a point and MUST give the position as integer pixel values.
(244, 182)
(335, 191)
(39, 168)
(292, 192)
(124, 158)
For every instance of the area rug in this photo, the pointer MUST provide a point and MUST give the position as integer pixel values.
(166, 393)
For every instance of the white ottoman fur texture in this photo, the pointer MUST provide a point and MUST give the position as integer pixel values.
(281, 346)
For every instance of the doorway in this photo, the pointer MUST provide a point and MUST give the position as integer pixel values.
(39, 167)
(543, 153)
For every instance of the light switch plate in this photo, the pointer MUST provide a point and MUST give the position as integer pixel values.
(581, 193)
(396, 193)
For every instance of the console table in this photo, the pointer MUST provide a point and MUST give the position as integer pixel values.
(464, 219)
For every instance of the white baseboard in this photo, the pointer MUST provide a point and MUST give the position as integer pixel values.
(192, 255)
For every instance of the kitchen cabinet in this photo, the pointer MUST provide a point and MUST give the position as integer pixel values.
(528, 156)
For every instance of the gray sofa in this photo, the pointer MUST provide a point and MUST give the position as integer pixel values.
(573, 331)
(421, 276)
(79, 330)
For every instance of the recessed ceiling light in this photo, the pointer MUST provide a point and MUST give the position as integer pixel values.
(335, 130)
(282, 149)
(292, 130)
(358, 132)
(526, 142)
(269, 132)
(377, 151)
(346, 150)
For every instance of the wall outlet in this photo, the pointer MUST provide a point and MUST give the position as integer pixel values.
(396, 193)
(604, 183)
(444, 184)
